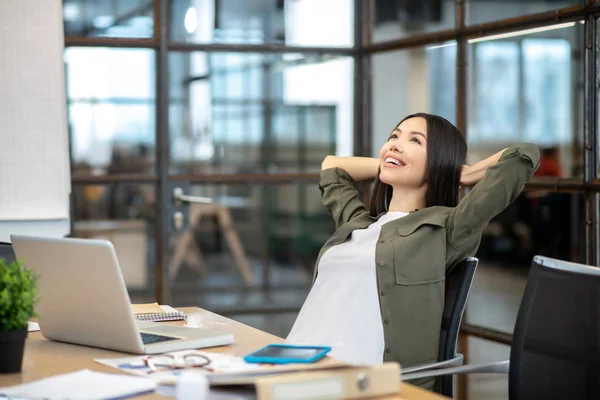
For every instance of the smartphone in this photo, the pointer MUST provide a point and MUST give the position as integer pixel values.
(287, 354)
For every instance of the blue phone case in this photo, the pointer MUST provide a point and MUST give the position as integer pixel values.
(252, 358)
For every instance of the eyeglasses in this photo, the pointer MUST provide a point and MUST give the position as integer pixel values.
(164, 362)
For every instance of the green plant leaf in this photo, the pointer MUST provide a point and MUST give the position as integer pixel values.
(18, 295)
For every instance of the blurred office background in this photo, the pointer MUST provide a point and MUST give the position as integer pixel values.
(240, 101)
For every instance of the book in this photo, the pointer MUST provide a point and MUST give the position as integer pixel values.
(350, 382)
(340, 383)
(156, 313)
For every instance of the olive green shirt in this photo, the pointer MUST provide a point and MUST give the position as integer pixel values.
(414, 253)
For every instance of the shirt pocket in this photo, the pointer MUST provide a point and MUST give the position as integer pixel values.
(420, 255)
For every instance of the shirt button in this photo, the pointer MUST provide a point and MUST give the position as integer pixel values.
(382, 293)
(381, 263)
(382, 241)
(387, 350)
(385, 321)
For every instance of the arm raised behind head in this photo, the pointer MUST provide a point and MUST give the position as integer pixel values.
(359, 168)
(498, 180)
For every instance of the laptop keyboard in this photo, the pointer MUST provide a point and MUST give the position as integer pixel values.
(149, 338)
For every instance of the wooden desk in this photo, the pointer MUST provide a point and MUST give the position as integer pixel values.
(44, 358)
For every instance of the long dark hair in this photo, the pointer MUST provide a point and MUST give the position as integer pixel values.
(446, 154)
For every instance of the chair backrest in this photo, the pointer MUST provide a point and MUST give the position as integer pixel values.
(458, 286)
(555, 352)
(6, 252)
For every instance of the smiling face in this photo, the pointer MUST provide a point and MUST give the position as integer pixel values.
(403, 158)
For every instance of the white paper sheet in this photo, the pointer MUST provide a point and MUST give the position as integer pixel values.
(33, 326)
(83, 385)
(224, 369)
(219, 364)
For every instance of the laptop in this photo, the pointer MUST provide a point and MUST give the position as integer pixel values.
(83, 300)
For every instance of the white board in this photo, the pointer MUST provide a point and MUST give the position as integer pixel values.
(34, 149)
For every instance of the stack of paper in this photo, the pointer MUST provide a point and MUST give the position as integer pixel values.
(327, 378)
(223, 369)
(82, 385)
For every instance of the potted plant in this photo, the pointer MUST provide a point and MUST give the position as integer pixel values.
(18, 295)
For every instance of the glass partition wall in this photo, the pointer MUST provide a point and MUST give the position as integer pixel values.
(239, 102)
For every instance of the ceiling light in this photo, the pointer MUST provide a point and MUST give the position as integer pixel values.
(523, 32)
(191, 20)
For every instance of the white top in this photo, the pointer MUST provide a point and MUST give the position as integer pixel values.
(342, 309)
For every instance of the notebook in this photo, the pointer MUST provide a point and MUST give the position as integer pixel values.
(156, 313)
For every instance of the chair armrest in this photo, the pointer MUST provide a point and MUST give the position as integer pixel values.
(454, 362)
(500, 367)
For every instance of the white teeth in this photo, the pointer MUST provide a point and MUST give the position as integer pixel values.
(391, 160)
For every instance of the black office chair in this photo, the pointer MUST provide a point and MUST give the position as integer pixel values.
(555, 353)
(6, 252)
(458, 287)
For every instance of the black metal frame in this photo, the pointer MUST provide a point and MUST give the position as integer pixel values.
(163, 195)
(361, 52)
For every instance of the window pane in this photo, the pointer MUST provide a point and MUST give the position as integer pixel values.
(294, 23)
(529, 88)
(123, 214)
(480, 11)
(409, 81)
(130, 19)
(398, 19)
(537, 223)
(111, 109)
(232, 113)
(281, 229)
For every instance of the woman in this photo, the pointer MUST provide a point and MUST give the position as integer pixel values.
(378, 292)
